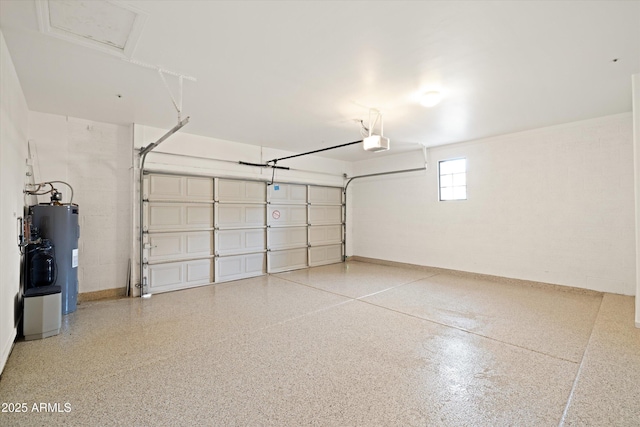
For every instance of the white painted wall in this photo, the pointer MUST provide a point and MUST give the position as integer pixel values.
(220, 158)
(13, 153)
(95, 158)
(554, 205)
(636, 150)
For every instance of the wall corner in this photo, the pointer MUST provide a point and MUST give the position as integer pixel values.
(636, 163)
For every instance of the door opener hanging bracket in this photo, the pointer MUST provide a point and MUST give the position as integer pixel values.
(375, 142)
(177, 104)
(374, 116)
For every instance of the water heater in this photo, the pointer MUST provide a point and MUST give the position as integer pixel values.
(59, 224)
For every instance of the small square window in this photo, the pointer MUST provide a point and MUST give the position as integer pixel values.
(453, 179)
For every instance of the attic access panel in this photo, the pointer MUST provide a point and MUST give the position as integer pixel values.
(111, 27)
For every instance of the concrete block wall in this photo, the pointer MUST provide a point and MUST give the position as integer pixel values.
(95, 158)
(636, 151)
(553, 205)
(14, 119)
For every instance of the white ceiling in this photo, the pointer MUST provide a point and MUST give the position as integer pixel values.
(295, 75)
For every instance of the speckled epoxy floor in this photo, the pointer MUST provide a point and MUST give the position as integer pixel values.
(340, 345)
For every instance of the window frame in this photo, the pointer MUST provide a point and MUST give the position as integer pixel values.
(440, 199)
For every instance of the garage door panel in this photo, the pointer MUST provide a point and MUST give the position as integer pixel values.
(240, 267)
(288, 193)
(199, 188)
(286, 238)
(255, 215)
(240, 241)
(228, 268)
(256, 240)
(179, 275)
(228, 215)
(229, 241)
(325, 234)
(325, 215)
(198, 271)
(287, 260)
(164, 216)
(169, 187)
(229, 190)
(199, 244)
(164, 187)
(256, 264)
(287, 215)
(325, 195)
(172, 246)
(241, 216)
(166, 275)
(325, 255)
(199, 216)
(241, 191)
(255, 192)
(165, 246)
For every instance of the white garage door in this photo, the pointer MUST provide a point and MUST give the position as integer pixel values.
(179, 238)
(287, 222)
(305, 226)
(325, 230)
(240, 229)
(201, 230)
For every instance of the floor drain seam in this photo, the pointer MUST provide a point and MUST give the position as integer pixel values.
(577, 378)
(388, 289)
(360, 299)
(347, 296)
(282, 322)
(471, 332)
(313, 287)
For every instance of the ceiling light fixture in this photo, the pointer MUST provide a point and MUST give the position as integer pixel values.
(431, 98)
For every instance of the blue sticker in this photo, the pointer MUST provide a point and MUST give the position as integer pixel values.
(276, 187)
